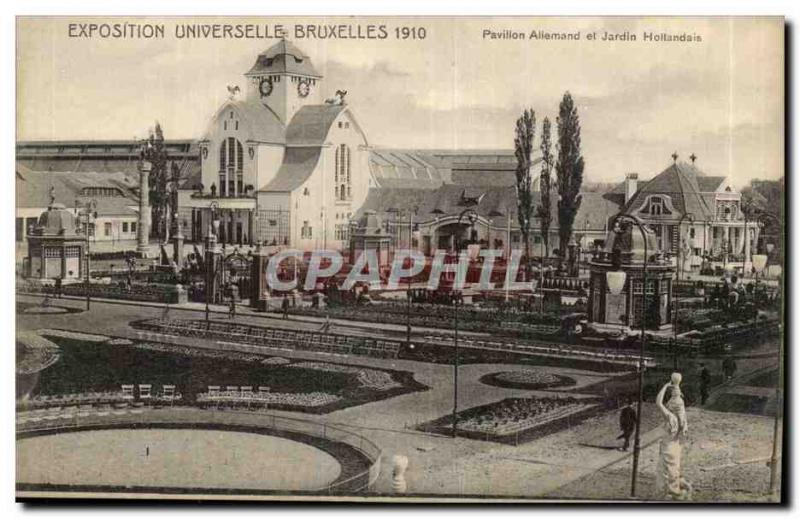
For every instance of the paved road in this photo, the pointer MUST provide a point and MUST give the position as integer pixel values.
(439, 465)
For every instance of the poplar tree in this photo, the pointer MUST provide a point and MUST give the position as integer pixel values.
(545, 185)
(569, 169)
(523, 144)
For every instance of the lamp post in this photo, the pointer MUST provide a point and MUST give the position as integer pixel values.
(615, 281)
(396, 235)
(472, 218)
(676, 297)
(759, 264)
(89, 213)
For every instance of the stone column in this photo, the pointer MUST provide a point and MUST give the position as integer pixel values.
(213, 256)
(177, 243)
(143, 227)
(748, 264)
(258, 285)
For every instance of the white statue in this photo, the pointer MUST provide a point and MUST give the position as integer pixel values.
(399, 466)
(670, 484)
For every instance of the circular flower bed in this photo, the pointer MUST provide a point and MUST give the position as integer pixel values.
(527, 379)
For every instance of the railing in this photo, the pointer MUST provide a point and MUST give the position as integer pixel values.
(360, 481)
(718, 338)
(147, 293)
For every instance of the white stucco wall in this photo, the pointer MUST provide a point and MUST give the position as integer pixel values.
(320, 207)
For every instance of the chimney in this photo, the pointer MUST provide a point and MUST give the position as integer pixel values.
(631, 184)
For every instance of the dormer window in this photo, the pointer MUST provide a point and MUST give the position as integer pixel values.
(656, 206)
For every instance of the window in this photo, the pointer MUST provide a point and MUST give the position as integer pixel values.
(30, 224)
(133, 227)
(691, 232)
(107, 229)
(341, 232)
(305, 232)
(125, 227)
(342, 187)
(656, 205)
(231, 167)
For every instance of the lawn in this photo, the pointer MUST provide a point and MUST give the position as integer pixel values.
(100, 367)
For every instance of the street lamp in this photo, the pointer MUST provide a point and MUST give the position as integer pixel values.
(472, 218)
(615, 281)
(410, 247)
(89, 213)
(690, 217)
(760, 263)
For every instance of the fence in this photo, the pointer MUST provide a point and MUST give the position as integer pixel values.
(147, 293)
(716, 339)
(276, 338)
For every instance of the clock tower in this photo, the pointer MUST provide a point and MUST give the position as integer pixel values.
(284, 80)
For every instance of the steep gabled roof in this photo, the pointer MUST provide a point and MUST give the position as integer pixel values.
(264, 124)
(298, 164)
(679, 182)
(709, 183)
(311, 124)
(283, 58)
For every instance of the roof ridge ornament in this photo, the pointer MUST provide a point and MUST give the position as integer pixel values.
(692, 157)
(338, 99)
(675, 156)
(233, 91)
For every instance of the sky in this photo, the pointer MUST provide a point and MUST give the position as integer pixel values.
(721, 98)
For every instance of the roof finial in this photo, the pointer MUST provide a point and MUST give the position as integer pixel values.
(674, 156)
(692, 157)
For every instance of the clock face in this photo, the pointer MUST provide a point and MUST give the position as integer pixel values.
(303, 88)
(265, 87)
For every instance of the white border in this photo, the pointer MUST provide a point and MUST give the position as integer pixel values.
(789, 8)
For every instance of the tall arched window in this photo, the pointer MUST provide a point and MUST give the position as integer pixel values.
(231, 167)
(342, 174)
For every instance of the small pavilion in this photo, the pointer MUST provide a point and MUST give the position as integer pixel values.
(55, 249)
(616, 288)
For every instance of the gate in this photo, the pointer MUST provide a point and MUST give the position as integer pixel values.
(236, 272)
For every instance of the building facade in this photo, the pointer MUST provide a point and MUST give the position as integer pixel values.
(694, 216)
(284, 166)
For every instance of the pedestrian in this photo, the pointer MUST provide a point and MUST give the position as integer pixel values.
(232, 309)
(285, 306)
(627, 423)
(729, 368)
(326, 327)
(705, 383)
(58, 287)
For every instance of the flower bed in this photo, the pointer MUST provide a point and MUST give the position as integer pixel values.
(517, 420)
(527, 379)
(166, 294)
(284, 400)
(369, 378)
(433, 315)
(89, 366)
(34, 353)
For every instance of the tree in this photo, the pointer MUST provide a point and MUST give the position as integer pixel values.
(545, 184)
(523, 143)
(569, 169)
(156, 154)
